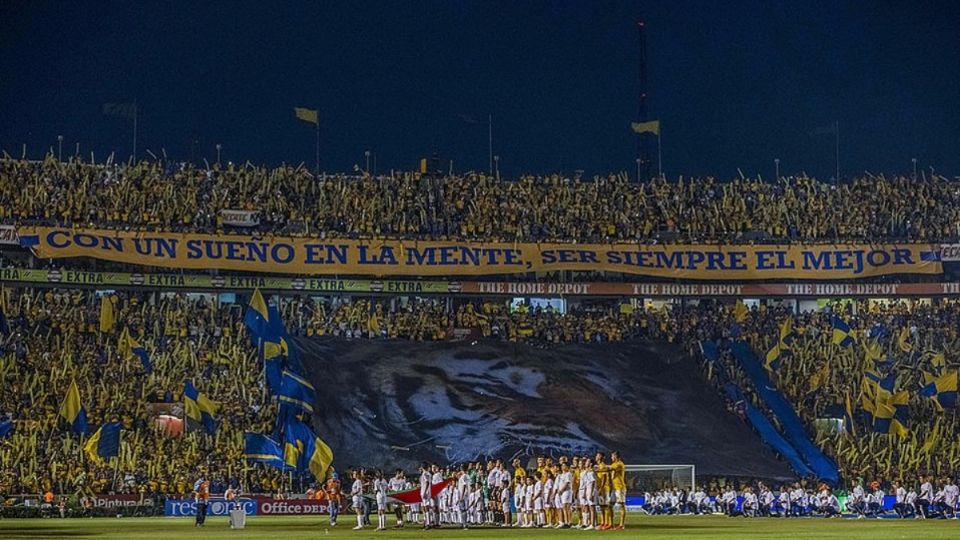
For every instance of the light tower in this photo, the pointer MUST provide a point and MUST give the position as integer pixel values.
(643, 143)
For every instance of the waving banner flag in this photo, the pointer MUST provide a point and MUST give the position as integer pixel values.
(198, 408)
(307, 115)
(129, 347)
(257, 447)
(257, 316)
(303, 451)
(842, 335)
(412, 496)
(296, 393)
(105, 443)
(108, 320)
(942, 390)
(653, 126)
(72, 410)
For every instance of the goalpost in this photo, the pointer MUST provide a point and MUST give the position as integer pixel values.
(651, 478)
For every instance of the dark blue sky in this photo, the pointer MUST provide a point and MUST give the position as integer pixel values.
(735, 86)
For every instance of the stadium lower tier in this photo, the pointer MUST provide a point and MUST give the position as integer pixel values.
(451, 380)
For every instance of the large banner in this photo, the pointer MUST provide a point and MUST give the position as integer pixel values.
(216, 506)
(254, 505)
(121, 499)
(314, 256)
(227, 283)
(459, 389)
(198, 282)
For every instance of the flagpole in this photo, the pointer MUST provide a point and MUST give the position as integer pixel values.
(135, 114)
(659, 157)
(490, 142)
(318, 141)
(837, 131)
(263, 371)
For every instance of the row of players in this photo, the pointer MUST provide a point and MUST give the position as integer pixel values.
(541, 500)
(797, 502)
(579, 492)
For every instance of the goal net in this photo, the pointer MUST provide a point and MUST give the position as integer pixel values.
(652, 478)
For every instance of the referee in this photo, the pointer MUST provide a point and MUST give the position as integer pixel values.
(201, 493)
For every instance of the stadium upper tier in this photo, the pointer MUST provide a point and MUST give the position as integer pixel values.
(293, 201)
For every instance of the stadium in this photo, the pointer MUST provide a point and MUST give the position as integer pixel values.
(283, 335)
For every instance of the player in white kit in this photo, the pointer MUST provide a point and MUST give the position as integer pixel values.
(435, 479)
(588, 486)
(380, 486)
(461, 496)
(426, 479)
(356, 497)
(398, 483)
(564, 489)
(529, 519)
(538, 500)
(505, 504)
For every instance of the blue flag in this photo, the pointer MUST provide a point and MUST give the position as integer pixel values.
(134, 348)
(297, 392)
(709, 350)
(72, 410)
(263, 449)
(6, 428)
(105, 443)
(256, 317)
(842, 335)
(305, 451)
(198, 408)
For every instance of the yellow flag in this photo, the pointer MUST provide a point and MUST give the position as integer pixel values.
(374, 324)
(107, 319)
(872, 350)
(938, 361)
(307, 115)
(932, 439)
(653, 126)
(740, 311)
(820, 377)
(91, 446)
(903, 340)
(321, 459)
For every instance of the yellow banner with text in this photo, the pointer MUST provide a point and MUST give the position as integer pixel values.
(314, 256)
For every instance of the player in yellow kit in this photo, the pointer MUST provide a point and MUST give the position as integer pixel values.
(519, 473)
(605, 519)
(618, 477)
(575, 466)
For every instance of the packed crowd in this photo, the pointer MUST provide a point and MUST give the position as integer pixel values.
(434, 320)
(54, 337)
(819, 376)
(476, 206)
(919, 500)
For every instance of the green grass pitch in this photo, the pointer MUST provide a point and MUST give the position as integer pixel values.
(293, 528)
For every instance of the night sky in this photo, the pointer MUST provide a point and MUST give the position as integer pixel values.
(734, 86)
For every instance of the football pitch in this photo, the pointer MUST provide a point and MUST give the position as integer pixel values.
(292, 528)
